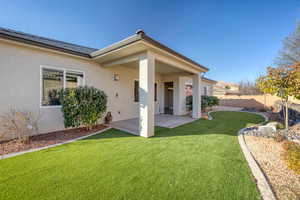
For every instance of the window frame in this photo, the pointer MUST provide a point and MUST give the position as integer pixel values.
(205, 91)
(65, 70)
(155, 94)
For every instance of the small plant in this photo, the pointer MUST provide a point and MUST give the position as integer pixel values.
(292, 155)
(279, 138)
(287, 145)
(279, 125)
(227, 87)
(19, 124)
(82, 106)
(108, 118)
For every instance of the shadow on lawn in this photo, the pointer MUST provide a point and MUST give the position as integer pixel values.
(196, 128)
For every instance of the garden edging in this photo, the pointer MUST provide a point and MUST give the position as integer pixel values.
(262, 183)
(50, 146)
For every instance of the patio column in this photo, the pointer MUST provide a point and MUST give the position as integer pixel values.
(197, 96)
(179, 96)
(146, 94)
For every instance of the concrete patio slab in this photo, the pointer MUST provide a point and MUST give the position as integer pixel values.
(162, 120)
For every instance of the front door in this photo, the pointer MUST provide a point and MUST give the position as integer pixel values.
(169, 89)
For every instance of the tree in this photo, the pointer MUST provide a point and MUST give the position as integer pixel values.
(283, 82)
(290, 52)
(248, 88)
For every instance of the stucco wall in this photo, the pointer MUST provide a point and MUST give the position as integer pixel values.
(20, 83)
(255, 101)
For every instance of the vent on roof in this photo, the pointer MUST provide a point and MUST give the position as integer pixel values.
(140, 32)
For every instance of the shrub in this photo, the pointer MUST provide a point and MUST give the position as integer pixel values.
(19, 124)
(206, 102)
(292, 155)
(82, 106)
(189, 102)
(279, 125)
(279, 138)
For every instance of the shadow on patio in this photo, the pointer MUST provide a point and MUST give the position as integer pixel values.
(223, 124)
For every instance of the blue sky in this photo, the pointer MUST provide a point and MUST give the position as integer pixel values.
(235, 39)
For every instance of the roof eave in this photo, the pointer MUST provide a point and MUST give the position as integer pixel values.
(43, 45)
(209, 80)
(141, 36)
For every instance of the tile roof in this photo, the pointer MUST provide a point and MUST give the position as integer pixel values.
(46, 42)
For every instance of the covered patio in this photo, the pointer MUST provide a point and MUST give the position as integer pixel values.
(156, 65)
(162, 120)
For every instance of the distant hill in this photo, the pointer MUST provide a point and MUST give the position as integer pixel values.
(222, 88)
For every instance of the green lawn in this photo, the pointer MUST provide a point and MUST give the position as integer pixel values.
(200, 160)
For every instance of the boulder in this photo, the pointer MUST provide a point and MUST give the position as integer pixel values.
(273, 124)
(267, 131)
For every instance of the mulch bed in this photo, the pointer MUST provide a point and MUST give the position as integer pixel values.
(36, 141)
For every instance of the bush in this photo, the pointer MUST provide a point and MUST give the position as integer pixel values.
(82, 106)
(19, 124)
(206, 102)
(292, 155)
(279, 138)
(189, 102)
(280, 125)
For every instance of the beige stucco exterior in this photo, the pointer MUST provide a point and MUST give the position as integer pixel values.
(20, 85)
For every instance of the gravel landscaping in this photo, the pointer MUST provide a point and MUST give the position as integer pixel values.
(268, 154)
(13, 146)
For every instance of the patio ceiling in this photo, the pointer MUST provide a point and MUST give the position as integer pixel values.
(131, 49)
(160, 67)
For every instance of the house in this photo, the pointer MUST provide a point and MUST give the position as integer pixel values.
(140, 76)
(207, 86)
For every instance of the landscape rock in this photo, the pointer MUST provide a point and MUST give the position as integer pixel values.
(267, 130)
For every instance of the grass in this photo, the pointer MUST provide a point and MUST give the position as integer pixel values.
(200, 160)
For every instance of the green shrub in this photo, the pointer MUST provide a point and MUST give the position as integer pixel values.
(280, 125)
(189, 102)
(206, 102)
(82, 106)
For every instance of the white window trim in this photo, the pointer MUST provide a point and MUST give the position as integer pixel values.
(64, 81)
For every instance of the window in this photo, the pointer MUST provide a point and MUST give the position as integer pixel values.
(136, 91)
(205, 90)
(54, 80)
(74, 79)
